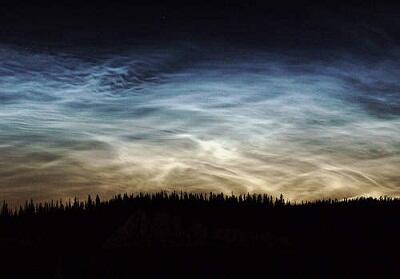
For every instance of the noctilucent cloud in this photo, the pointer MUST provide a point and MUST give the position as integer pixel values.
(189, 118)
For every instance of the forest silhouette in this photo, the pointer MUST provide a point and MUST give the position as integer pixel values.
(198, 235)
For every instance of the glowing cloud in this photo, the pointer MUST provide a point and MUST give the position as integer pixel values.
(151, 119)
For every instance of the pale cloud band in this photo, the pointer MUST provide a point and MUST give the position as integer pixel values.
(186, 118)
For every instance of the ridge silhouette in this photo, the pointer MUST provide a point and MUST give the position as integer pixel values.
(200, 235)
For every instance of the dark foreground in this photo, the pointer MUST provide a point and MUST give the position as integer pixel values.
(201, 236)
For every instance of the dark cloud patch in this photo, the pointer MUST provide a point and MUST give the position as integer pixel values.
(380, 98)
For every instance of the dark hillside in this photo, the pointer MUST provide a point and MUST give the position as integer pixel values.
(201, 235)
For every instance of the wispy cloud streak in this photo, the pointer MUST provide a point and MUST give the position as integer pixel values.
(186, 118)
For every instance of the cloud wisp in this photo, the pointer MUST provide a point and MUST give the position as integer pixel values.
(185, 119)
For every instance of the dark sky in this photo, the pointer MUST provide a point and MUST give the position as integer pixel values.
(281, 24)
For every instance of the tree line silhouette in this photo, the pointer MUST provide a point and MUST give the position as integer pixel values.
(200, 235)
(30, 208)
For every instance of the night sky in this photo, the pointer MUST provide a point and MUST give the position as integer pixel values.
(302, 99)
